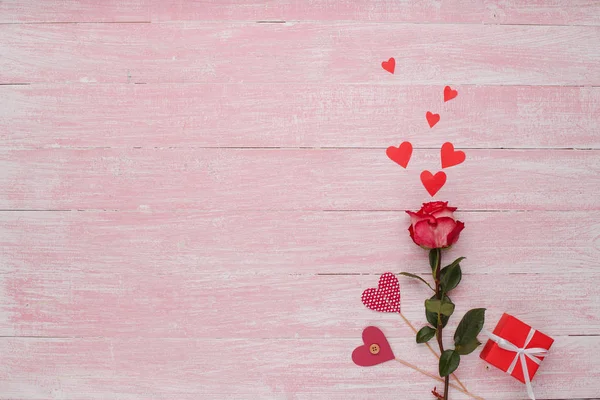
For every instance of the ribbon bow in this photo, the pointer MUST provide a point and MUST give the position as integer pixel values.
(532, 353)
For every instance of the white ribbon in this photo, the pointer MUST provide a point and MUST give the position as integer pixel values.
(533, 354)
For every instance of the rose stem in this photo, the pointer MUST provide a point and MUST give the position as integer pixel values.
(409, 365)
(430, 348)
(440, 328)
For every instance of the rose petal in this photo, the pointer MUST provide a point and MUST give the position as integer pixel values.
(444, 227)
(417, 217)
(446, 212)
(424, 234)
(411, 232)
(434, 235)
(453, 236)
(433, 206)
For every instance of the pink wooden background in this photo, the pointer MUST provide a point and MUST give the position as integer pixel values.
(194, 194)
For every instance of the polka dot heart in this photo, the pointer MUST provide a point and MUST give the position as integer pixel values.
(386, 298)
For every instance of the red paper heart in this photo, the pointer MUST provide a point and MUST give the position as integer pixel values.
(389, 65)
(386, 298)
(401, 154)
(376, 349)
(451, 157)
(433, 183)
(432, 119)
(449, 93)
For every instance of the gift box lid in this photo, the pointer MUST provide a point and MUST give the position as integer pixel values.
(516, 332)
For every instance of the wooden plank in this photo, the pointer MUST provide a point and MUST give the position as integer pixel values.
(289, 243)
(582, 12)
(255, 115)
(300, 53)
(30, 11)
(548, 12)
(179, 299)
(189, 294)
(307, 179)
(106, 368)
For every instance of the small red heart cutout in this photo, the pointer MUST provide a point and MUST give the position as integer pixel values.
(433, 183)
(432, 119)
(386, 298)
(449, 93)
(389, 65)
(376, 349)
(401, 154)
(451, 157)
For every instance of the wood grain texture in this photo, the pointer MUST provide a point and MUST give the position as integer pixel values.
(229, 197)
(306, 179)
(577, 12)
(296, 115)
(186, 300)
(304, 52)
(285, 244)
(31, 11)
(550, 12)
(111, 368)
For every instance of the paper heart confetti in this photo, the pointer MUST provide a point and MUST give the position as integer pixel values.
(432, 119)
(389, 65)
(375, 350)
(451, 157)
(433, 183)
(401, 154)
(384, 298)
(449, 93)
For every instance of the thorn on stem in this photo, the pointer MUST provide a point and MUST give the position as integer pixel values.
(436, 394)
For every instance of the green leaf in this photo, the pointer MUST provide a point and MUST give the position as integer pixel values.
(449, 361)
(450, 276)
(425, 334)
(433, 305)
(432, 318)
(434, 257)
(417, 277)
(469, 327)
(456, 262)
(467, 348)
(447, 309)
(439, 307)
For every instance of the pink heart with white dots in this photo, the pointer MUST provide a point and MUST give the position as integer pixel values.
(384, 298)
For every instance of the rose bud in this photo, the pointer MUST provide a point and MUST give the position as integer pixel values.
(434, 226)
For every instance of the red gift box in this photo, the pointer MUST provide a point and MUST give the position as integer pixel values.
(515, 332)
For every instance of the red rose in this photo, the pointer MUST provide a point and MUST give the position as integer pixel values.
(434, 226)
